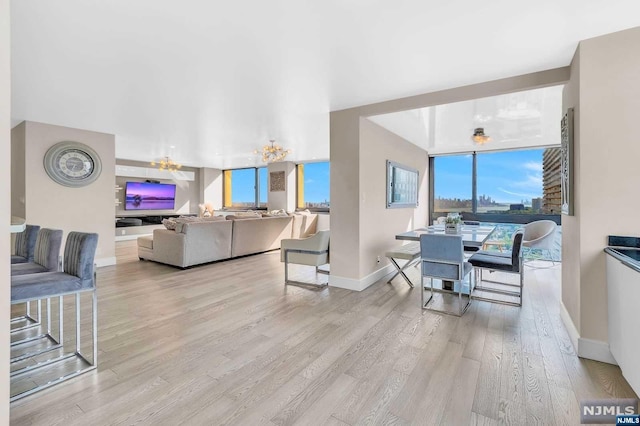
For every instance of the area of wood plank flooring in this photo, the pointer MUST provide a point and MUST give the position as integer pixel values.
(227, 343)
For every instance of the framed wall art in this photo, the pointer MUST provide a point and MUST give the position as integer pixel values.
(566, 162)
(276, 182)
(402, 186)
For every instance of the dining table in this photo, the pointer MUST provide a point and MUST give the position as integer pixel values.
(473, 238)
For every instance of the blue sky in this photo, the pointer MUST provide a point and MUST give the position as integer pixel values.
(506, 177)
(243, 183)
(316, 183)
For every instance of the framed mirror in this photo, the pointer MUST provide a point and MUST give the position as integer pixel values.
(402, 186)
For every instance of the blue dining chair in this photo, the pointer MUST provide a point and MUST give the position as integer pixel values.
(442, 257)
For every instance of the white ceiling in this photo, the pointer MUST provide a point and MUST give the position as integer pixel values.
(518, 120)
(216, 79)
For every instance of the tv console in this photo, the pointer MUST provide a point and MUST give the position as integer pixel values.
(143, 220)
(133, 226)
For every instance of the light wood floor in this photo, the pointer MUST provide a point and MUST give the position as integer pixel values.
(226, 343)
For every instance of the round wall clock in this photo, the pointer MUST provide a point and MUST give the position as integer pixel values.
(72, 164)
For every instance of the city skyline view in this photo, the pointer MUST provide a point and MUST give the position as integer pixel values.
(503, 178)
(509, 177)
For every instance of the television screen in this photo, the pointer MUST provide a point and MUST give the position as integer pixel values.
(149, 196)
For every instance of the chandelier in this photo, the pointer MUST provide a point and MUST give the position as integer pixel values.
(167, 164)
(272, 153)
(479, 137)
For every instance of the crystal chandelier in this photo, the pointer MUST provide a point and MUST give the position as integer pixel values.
(479, 137)
(272, 153)
(167, 164)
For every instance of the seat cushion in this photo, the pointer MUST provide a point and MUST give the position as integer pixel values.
(407, 252)
(146, 242)
(18, 259)
(491, 260)
(48, 284)
(27, 268)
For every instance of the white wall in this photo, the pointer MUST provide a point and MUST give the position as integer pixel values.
(571, 224)
(345, 194)
(377, 145)
(608, 152)
(85, 209)
(18, 176)
(5, 200)
(282, 199)
(211, 187)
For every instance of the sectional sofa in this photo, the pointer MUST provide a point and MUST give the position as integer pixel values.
(197, 242)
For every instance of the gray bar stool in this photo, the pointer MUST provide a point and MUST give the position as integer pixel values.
(78, 277)
(25, 245)
(46, 259)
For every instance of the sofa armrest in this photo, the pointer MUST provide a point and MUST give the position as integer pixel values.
(169, 247)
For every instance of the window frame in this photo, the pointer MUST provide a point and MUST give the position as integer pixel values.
(473, 215)
(298, 188)
(256, 187)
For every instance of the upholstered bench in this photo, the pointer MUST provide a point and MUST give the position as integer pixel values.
(410, 253)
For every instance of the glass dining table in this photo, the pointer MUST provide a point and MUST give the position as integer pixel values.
(473, 238)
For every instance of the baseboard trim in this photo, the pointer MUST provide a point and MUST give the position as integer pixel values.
(105, 261)
(362, 283)
(586, 348)
(574, 335)
(595, 350)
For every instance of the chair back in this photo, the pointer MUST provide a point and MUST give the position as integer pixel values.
(323, 239)
(516, 249)
(442, 256)
(47, 251)
(79, 254)
(539, 234)
(26, 242)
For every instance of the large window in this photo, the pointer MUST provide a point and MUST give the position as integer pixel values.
(506, 186)
(313, 186)
(245, 188)
(452, 182)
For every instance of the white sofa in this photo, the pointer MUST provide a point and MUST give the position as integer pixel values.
(208, 241)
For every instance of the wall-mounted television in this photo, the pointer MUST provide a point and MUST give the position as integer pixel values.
(149, 196)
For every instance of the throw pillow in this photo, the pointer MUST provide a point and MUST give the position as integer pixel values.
(170, 224)
(280, 212)
(248, 213)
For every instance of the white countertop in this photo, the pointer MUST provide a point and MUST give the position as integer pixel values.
(18, 224)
